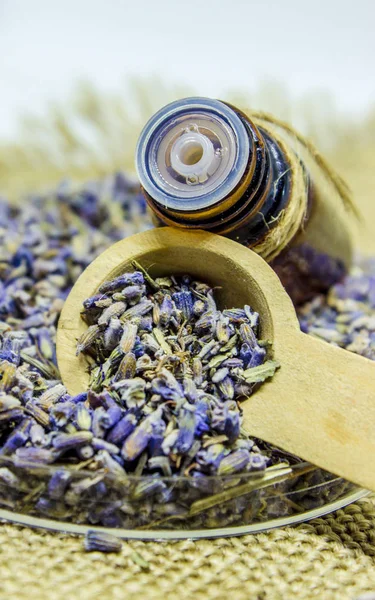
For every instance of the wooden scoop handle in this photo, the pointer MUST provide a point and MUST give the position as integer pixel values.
(320, 405)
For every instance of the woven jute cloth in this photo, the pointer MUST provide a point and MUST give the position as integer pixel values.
(331, 558)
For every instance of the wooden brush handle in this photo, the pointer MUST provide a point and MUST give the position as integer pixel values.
(320, 405)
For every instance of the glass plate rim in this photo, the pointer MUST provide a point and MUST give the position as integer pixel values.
(166, 534)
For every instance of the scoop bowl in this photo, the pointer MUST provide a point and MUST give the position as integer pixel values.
(320, 405)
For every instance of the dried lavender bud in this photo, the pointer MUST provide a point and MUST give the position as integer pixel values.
(138, 440)
(58, 484)
(61, 413)
(166, 310)
(101, 542)
(88, 338)
(52, 395)
(68, 441)
(185, 303)
(122, 429)
(112, 334)
(34, 455)
(8, 402)
(83, 417)
(15, 440)
(237, 461)
(122, 281)
(114, 310)
(39, 415)
(129, 334)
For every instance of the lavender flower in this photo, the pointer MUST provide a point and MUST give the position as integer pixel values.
(102, 542)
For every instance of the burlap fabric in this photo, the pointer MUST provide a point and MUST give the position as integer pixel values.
(330, 558)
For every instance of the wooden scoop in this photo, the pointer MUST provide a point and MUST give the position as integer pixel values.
(320, 404)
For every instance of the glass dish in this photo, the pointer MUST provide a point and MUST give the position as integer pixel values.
(65, 498)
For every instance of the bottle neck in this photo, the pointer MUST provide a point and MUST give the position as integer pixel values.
(254, 205)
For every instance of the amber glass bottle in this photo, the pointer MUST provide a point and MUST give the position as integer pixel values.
(204, 164)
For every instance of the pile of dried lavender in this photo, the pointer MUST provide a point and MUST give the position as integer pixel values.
(170, 368)
(74, 458)
(346, 317)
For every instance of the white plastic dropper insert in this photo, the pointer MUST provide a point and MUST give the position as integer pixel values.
(193, 156)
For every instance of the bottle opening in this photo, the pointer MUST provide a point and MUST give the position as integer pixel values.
(192, 156)
(192, 153)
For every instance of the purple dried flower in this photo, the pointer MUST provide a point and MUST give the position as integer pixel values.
(142, 434)
(100, 444)
(206, 322)
(122, 281)
(190, 389)
(167, 386)
(234, 462)
(232, 363)
(35, 320)
(99, 422)
(58, 484)
(17, 438)
(245, 354)
(102, 542)
(82, 397)
(69, 441)
(145, 324)
(186, 430)
(150, 486)
(185, 303)
(10, 351)
(258, 357)
(45, 344)
(236, 315)
(61, 413)
(211, 456)
(138, 349)
(37, 413)
(83, 417)
(226, 420)
(258, 462)
(202, 417)
(220, 375)
(133, 293)
(112, 334)
(91, 303)
(123, 428)
(166, 310)
(14, 414)
(139, 310)
(34, 456)
(37, 435)
(8, 478)
(8, 402)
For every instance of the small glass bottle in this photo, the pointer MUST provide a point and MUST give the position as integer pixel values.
(204, 164)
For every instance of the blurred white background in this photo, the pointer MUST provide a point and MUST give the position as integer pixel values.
(209, 45)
